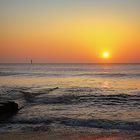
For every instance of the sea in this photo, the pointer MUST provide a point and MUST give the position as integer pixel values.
(95, 98)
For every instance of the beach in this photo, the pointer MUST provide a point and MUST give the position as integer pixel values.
(42, 136)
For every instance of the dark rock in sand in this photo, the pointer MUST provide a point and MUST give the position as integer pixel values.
(7, 109)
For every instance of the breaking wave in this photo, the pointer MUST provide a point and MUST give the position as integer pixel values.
(92, 123)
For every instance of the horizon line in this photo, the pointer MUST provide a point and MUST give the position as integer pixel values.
(64, 63)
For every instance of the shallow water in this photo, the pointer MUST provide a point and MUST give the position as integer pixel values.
(89, 96)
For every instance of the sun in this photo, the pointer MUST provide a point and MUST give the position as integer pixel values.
(105, 55)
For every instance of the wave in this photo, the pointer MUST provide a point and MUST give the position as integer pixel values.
(8, 73)
(113, 75)
(91, 123)
(30, 74)
(73, 96)
(72, 74)
(121, 99)
(44, 97)
(101, 123)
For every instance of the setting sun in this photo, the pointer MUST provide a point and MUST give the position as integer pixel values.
(105, 54)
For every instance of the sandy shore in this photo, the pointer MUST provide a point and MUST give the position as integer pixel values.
(46, 136)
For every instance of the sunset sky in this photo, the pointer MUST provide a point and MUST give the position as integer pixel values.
(70, 31)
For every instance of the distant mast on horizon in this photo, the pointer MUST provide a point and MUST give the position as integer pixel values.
(31, 61)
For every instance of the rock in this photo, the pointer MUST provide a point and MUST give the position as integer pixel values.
(52, 89)
(8, 107)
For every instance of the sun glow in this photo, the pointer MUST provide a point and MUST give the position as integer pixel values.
(105, 55)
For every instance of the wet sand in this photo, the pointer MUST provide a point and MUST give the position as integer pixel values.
(46, 136)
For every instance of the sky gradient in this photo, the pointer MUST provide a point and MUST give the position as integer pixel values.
(69, 31)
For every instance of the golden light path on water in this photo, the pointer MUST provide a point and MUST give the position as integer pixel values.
(71, 82)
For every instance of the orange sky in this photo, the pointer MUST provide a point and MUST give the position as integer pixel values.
(70, 32)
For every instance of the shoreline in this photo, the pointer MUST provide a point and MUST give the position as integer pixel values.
(67, 136)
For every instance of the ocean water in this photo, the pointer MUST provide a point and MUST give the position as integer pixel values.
(72, 97)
